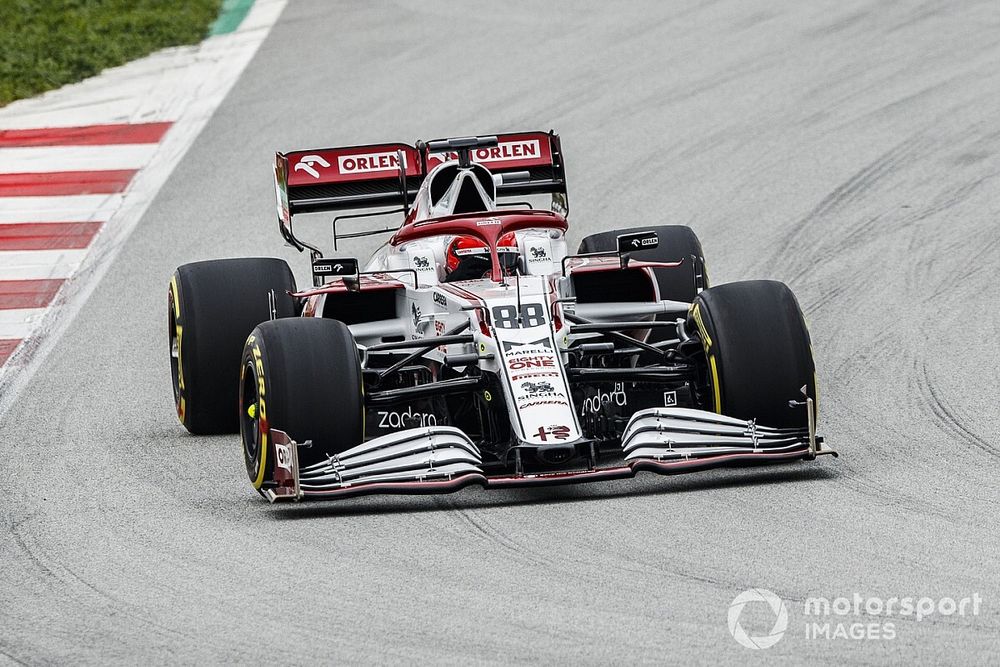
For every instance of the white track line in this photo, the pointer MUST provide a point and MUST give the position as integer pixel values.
(74, 158)
(39, 264)
(75, 208)
(19, 322)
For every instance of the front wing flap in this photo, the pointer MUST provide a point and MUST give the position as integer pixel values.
(442, 459)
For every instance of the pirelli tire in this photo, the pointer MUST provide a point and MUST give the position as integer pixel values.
(757, 350)
(676, 242)
(212, 308)
(301, 376)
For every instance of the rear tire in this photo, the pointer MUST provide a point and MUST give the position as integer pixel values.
(213, 306)
(301, 376)
(676, 242)
(758, 351)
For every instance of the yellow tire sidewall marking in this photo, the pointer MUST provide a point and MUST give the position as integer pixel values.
(713, 367)
(262, 413)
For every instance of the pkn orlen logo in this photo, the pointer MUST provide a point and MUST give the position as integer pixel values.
(780, 618)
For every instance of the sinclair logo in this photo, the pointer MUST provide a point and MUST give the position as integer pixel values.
(364, 162)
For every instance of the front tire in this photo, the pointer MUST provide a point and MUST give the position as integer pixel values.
(757, 350)
(301, 376)
(212, 308)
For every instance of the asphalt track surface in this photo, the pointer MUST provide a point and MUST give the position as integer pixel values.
(851, 149)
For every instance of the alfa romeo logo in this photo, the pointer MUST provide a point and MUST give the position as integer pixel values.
(780, 618)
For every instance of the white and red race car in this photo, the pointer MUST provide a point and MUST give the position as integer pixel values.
(474, 347)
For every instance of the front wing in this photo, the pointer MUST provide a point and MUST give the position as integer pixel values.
(442, 459)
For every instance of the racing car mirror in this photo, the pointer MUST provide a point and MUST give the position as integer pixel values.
(629, 243)
(324, 268)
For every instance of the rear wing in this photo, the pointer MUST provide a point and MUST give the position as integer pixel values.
(376, 175)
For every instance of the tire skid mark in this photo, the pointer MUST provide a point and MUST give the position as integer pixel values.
(945, 417)
(847, 193)
(483, 529)
(589, 569)
(64, 580)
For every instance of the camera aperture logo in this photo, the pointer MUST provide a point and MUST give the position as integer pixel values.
(850, 618)
(780, 618)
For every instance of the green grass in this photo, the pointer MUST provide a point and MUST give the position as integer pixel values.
(45, 44)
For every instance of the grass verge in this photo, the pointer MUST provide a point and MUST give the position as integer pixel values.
(45, 44)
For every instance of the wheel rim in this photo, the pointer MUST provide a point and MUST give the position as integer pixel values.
(175, 354)
(250, 419)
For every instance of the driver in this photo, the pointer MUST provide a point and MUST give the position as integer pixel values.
(468, 258)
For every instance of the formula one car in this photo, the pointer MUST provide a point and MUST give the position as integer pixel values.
(474, 347)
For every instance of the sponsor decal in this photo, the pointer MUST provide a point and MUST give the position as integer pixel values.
(439, 329)
(406, 419)
(361, 163)
(508, 150)
(522, 362)
(544, 433)
(505, 151)
(543, 344)
(535, 374)
(537, 254)
(440, 299)
(487, 222)
(415, 312)
(595, 403)
(638, 241)
(329, 266)
(534, 390)
(310, 164)
(537, 387)
(421, 263)
(477, 250)
(283, 454)
(547, 402)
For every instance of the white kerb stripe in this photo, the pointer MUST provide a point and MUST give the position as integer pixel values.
(75, 158)
(19, 322)
(39, 264)
(70, 208)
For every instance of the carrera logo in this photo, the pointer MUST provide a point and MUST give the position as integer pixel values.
(535, 404)
(308, 164)
(359, 164)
